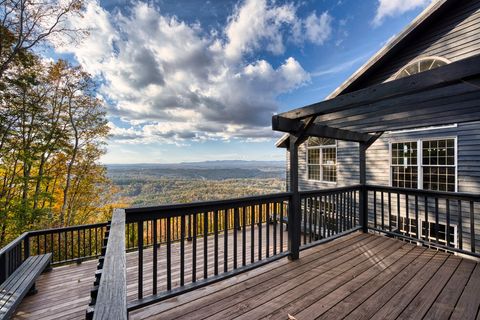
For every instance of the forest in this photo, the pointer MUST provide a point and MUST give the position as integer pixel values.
(53, 126)
(149, 185)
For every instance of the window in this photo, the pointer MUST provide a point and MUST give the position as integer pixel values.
(410, 228)
(404, 165)
(438, 164)
(424, 164)
(442, 237)
(421, 65)
(322, 159)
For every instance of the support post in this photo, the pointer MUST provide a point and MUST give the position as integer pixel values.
(363, 205)
(294, 218)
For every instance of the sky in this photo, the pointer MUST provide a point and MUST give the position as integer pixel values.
(190, 80)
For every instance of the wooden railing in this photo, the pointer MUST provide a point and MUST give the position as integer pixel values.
(110, 299)
(326, 214)
(201, 243)
(446, 220)
(178, 248)
(68, 244)
(13, 255)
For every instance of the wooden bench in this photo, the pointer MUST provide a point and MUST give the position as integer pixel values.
(21, 282)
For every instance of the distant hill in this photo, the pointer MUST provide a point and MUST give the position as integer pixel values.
(151, 184)
(217, 164)
(206, 170)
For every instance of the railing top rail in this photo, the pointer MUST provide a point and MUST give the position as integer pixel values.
(63, 229)
(111, 302)
(441, 194)
(330, 190)
(13, 243)
(205, 205)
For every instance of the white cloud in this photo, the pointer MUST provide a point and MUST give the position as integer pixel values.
(318, 28)
(391, 8)
(169, 81)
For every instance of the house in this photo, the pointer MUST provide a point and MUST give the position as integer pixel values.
(439, 158)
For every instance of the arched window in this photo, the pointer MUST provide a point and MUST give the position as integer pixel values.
(421, 65)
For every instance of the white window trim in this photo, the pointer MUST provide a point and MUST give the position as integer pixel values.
(455, 231)
(420, 158)
(320, 162)
(422, 235)
(415, 61)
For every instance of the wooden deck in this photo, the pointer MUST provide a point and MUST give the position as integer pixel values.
(358, 276)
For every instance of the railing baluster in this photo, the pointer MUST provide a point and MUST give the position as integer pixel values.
(282, 205)
(275, 210)
(427, 227)
(194, 247)
(225, 241)
(416, 217)
(140, 259)
(215, 237)
(169, 253)
(407, 215)
(267, 225)
(375, 208)
(472, 227)
(436, 220)
(398, 212)
(310, 218)
(337, 212)
(205, 245)
(355, 208)
(460, 225)
(182, 250)
(236, 220)
(303, 205)
(447, 231)
(244, 236)
(390, 211)
(260, 214)
(252, 234)
(155, 259)
(382, 203)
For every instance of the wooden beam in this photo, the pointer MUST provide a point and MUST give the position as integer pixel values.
(445, 75)
(430, 98)
(448, 112)
(298, 128)
(426, 120)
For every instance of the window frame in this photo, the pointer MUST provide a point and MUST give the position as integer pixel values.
(397, 74)
(420, 230)
(420, 166)
(441, 241)
(320, 161)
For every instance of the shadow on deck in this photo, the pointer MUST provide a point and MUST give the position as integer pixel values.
(358, 276)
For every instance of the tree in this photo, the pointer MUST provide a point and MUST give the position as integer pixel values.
(52, 138)
(25, 24)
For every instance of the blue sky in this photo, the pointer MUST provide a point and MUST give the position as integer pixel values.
(199, 80)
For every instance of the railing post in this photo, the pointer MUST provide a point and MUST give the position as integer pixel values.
(363, 199)
(294, 218)
(26, 247)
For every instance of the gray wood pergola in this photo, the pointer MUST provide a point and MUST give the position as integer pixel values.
(445, 95)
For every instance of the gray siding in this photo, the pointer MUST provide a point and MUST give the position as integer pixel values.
(378, 159)
(455, 36)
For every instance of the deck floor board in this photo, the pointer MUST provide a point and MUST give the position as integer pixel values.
(357, 276)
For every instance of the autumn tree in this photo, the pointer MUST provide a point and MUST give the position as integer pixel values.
(52, 137)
